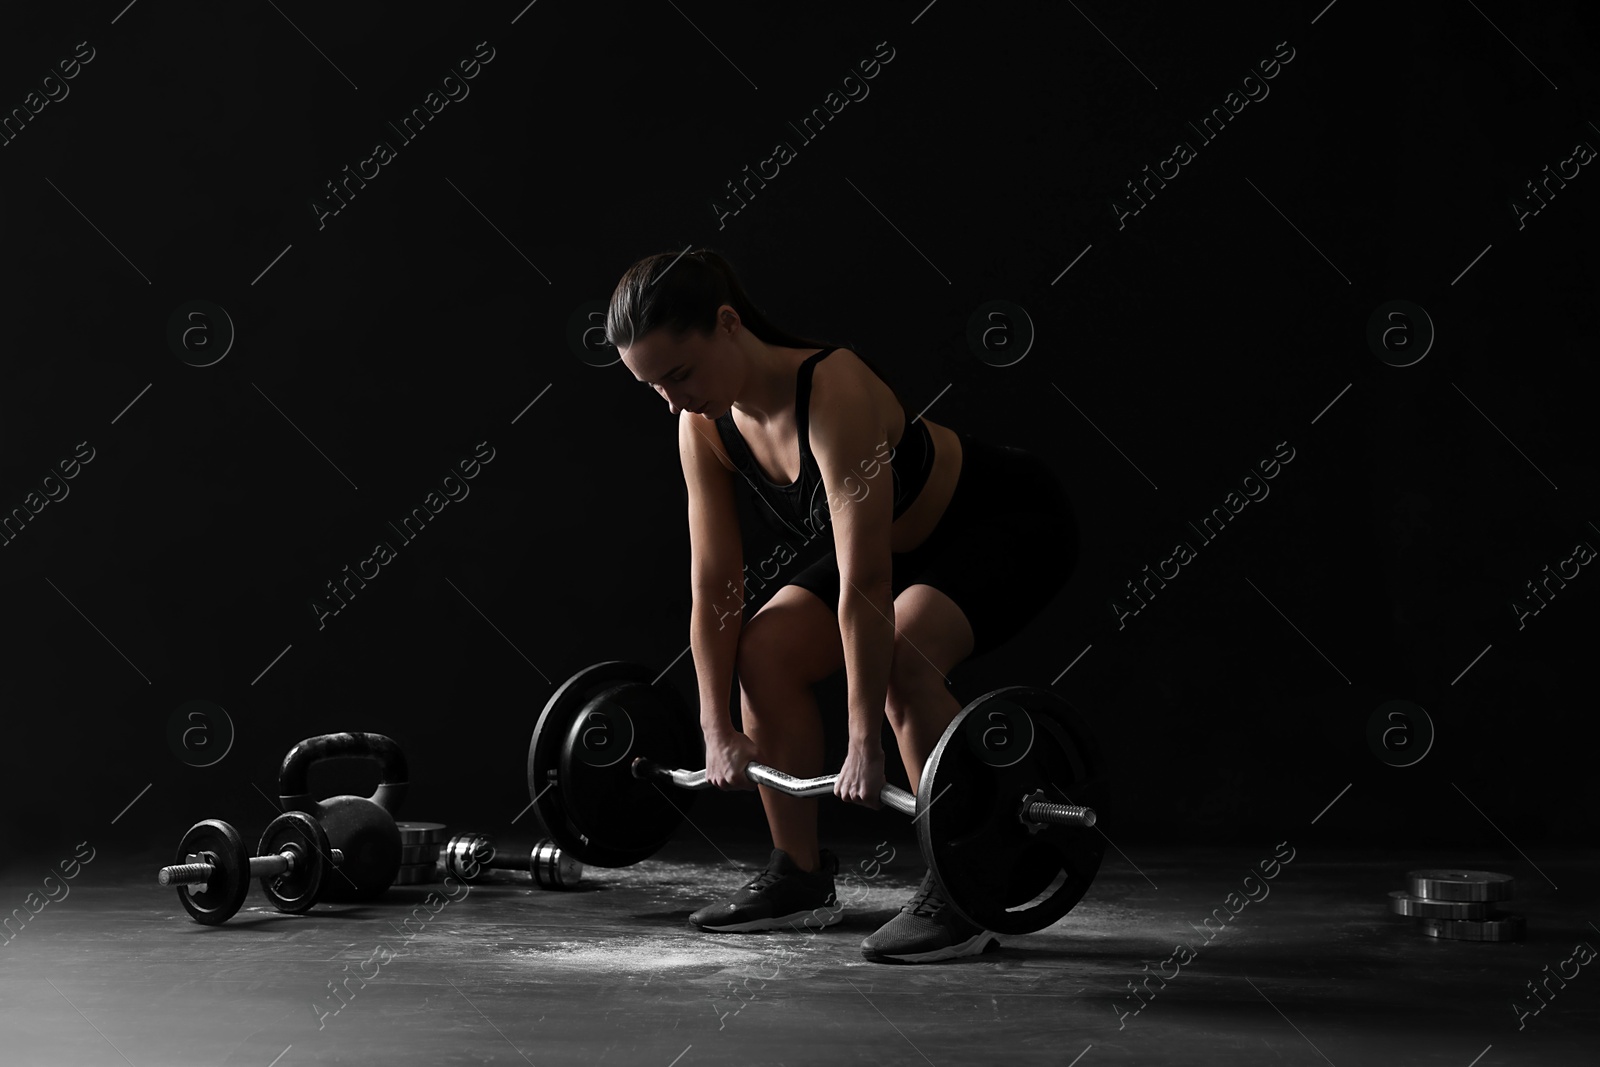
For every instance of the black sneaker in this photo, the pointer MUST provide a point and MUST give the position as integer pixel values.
(781, 895)
(926, 930)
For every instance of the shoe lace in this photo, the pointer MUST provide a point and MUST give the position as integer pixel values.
(927, 901)
(766, 878)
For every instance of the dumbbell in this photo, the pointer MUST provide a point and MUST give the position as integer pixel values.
(213, 868)
(1005, 810)
(467, 856)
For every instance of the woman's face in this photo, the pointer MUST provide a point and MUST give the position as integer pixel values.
(683, 372)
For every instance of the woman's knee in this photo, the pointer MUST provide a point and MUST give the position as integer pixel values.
(790, 643)
(759, 661)
(914, 684)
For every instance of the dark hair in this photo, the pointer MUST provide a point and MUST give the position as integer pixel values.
(680, 293)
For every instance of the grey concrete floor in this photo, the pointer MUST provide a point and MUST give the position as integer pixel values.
(1314, 972)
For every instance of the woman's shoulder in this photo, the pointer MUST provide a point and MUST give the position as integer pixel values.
(844, 376)
(852, 398)
(845, 365)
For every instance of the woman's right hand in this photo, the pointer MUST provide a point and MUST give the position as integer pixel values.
(727, 753)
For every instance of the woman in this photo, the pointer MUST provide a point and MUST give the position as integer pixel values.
(943, 547)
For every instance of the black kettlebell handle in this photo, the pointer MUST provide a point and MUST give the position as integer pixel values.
(296, 765)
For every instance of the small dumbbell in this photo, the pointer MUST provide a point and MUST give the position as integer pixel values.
(467, 856)
(214, 868)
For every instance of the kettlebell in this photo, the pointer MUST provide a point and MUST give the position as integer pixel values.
(363, 827)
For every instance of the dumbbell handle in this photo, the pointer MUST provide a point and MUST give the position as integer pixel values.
(260, 867)
(521, 862)
(892, 796)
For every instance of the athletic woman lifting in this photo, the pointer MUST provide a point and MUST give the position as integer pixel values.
(940, 554)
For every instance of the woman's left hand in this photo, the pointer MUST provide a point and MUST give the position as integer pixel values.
(861, 778)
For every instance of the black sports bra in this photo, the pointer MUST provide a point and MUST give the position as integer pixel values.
(803, 504)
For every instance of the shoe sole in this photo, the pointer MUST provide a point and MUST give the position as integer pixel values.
(829, 917)
(972, 946)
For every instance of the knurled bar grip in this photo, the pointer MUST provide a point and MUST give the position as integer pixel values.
(892, 796)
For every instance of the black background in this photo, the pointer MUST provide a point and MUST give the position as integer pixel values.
(381, 348)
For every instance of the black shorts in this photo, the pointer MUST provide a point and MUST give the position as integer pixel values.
(1003, 549)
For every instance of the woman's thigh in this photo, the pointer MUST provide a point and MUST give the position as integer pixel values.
(1004, 572)
(1005, 547)
(794, 637)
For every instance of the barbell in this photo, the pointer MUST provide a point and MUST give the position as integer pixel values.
(1005, 809)
(1034, 811)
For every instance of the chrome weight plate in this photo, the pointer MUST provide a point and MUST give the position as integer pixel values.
(1455, 884)
(1403, 903)
(1501, 926)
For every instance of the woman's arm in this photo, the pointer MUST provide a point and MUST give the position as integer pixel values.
(716, 569)
(866, 627)
(847, 433)
(713, 649)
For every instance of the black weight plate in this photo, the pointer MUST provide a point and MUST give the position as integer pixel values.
(579, 774)
(297, 890)
(1000, 748)
(626, 819)
(226, 889)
